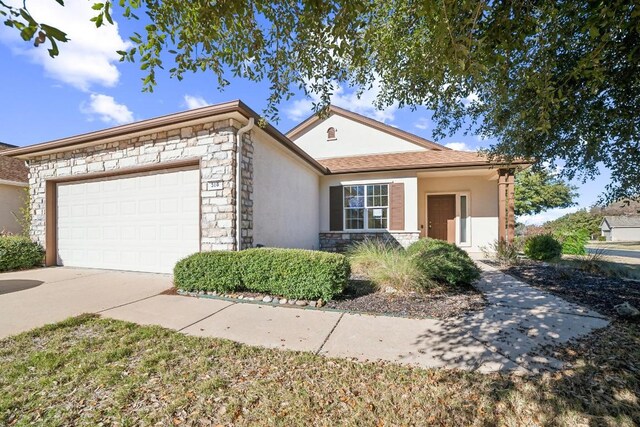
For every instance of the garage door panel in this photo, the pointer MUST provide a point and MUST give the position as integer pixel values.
(140, 223)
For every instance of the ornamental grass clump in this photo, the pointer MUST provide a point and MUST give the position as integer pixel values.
(387, 264)
(425, 265)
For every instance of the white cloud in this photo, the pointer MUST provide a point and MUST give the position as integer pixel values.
(549, 215)
(88, 58)
(422, 123)
(107, 109)
(191, 102)
(347, 99)
(471, 98)
(458, 146)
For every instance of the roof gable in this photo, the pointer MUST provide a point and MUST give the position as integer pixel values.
(622, 221)
(315, 120)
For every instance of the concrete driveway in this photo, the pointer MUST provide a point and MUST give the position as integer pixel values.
(505, 336)
(33, 298)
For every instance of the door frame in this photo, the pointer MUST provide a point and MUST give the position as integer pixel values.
(51, 197)
(457, 195)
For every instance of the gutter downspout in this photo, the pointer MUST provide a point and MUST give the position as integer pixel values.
(239, 136)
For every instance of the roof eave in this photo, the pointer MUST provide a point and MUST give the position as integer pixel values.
(162, 121)
(460, 165)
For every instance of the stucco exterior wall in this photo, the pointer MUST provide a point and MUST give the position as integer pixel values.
(626, 234)
(483, 201)
(352, 138)
(285, 198)
(409, 179)
(212, 144)
(12, 198)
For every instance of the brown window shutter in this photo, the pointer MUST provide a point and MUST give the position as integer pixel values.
(396, 206)
(335, 208)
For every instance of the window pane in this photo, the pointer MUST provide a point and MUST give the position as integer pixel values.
(377, 218)
(354, 196)
(464, 219)
(354, 219)
(377, 195)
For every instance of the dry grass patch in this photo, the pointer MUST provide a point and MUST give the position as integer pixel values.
(88, 370)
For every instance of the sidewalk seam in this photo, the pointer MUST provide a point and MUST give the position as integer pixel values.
(497, 351)
(329, 334)
(126, 303)
(207, 316)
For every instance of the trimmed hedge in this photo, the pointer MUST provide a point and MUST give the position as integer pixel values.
(444, 262)
(208, 271)
(18, 252)
(290, 273)
(543, 247)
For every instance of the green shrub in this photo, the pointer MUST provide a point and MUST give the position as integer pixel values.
(574, 242)
(290, 273)
(18, 252)
(295, 273)
(385, 264)
(444, 262)
(503, 252)
(543, 247)
(208, 271)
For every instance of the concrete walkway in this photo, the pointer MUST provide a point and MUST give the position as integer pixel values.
(503, 337)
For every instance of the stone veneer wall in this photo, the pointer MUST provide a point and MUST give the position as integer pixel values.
(339, 241)
(213, 143)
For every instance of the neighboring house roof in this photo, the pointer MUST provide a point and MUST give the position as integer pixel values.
(409, 160)
(621, 221)
(315, 119)
(12, 170)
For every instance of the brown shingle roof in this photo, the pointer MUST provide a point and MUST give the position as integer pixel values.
(407, 160)
(13, 169)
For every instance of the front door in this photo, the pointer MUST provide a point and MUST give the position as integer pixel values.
(441, 215)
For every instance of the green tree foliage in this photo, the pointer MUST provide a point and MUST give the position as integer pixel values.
(580, 220)
(550, 80)
(537, 191)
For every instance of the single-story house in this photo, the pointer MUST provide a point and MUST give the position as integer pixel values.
(621, 228)
(143, 195)
(13, 181)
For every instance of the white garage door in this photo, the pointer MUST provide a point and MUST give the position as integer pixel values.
(139, 222)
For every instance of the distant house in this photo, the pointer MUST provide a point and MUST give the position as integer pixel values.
(13, 181)
(620, 228)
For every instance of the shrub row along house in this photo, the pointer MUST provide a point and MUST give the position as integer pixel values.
(144, 195)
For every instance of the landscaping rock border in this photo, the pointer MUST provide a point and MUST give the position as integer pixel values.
(256, 298)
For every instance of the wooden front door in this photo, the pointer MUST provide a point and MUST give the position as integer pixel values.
(441, 215)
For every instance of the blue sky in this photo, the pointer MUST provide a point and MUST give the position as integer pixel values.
(87, 89)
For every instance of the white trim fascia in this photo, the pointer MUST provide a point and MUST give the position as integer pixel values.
(14, 183)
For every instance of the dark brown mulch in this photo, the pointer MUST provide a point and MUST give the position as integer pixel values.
(599, 292)
(361, 296)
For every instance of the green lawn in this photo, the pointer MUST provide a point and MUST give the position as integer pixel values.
(89, 370)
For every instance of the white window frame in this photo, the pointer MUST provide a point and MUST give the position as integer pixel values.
(366, 208)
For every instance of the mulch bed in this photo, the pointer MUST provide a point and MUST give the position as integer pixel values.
(599, 292)
(361, 296)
